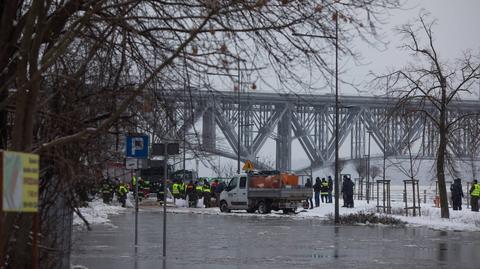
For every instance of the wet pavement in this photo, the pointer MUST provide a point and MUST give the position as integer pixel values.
(226, 241)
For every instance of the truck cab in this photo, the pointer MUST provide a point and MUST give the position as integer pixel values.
(235, 193)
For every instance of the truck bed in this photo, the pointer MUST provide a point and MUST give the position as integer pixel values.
(282, 193)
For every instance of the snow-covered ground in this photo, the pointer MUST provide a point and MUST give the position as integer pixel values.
(77, 266)
(98, 213)
(465, 220)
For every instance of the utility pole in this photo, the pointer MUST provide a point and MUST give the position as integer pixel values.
(336, 182)
(165, 174)
(239, 136)
(337, 189)
(368, 166)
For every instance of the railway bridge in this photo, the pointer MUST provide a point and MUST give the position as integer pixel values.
(247, 120)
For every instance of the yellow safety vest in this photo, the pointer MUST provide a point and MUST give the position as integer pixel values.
(176, 188)
(206, 189)
(199, 188)
(122, 189)
(476, 190)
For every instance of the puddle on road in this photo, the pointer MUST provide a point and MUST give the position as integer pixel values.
(221, 241)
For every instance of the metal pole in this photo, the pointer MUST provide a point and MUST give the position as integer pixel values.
(136, 206)
(337, 207)
(368, 168)
(186, 84)
(238, 120)
(165, 168)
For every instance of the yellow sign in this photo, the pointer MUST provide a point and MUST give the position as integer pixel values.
(248, 166)
(20, 174)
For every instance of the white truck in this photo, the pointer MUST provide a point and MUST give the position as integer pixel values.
(264, 191)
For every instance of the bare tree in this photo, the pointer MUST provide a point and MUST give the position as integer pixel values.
(411, 136)
(431, 87)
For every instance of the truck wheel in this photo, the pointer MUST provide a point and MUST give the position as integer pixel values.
(262, 208)
(224, 207)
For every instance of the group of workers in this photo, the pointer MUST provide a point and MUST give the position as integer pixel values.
(323, 189)
(193, 191)
(196, 190)
(110, 188)
(457, 195)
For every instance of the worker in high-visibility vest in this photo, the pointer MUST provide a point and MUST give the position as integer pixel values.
(183, 189)
(134, 188)
(134, 182)
(324, 190)
(176, 190)
(199, 190)
(475, 195)
(207, 194)
(122, 194)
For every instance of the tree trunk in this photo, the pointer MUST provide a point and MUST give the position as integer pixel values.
(442, 188)
(442, 149)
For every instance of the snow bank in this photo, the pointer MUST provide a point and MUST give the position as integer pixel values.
(97, 212)
(76, 266)
(465, 220)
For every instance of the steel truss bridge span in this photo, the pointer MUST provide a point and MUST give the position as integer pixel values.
(247, 120)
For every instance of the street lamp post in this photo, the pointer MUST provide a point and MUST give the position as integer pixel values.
(336, 182)
(239, 136)
(337, 189)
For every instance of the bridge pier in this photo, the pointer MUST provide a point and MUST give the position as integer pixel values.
(283, 158)
(209, 130)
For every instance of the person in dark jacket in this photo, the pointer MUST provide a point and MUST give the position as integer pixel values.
(347, 190)
(324, 191)
(107, 191)
(218, 189)
(330, 189)
(192, 194)
(457, 194)
(316, 188)
(309, 186)
(207, 194)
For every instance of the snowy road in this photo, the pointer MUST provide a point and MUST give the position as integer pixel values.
(231, 241)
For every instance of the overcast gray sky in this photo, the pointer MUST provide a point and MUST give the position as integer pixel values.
(457, 30)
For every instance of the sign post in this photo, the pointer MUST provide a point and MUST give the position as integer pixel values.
(19, 180)
(164, 249)
(248, 166)
(158, 150)
(137, 149)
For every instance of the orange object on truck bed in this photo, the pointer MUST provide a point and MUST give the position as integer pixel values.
(273, 181)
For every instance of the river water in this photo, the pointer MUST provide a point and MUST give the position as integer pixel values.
(226, 241)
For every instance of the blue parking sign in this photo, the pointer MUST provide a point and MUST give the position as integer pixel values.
(137, 146)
